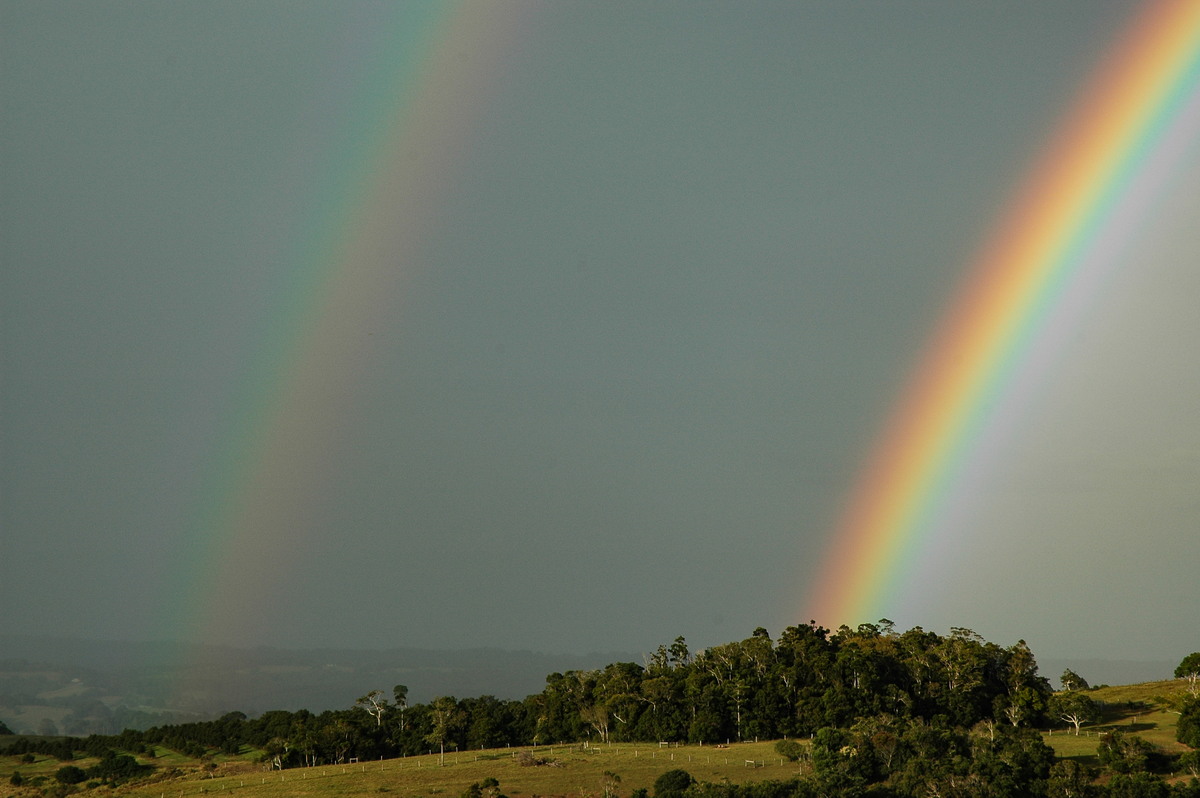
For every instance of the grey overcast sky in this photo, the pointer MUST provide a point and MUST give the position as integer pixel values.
(681, 264)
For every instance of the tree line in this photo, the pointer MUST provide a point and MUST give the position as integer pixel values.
(757, 688)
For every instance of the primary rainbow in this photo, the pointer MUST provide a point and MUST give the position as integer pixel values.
(1088, 192)
(416, 76)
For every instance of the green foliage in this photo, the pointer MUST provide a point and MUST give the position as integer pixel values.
(1137, 785)
(1074, 708)
(1128, 753)
(1073, 681)
(1187, 729)
(672, 783)
(16, 779)
(795, 788)
(1069, 779)
(1189, 763)
(116, 768)
(789, 749)
(70, 774)
(488, 788)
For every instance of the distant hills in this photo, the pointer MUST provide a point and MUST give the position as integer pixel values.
(78, 687)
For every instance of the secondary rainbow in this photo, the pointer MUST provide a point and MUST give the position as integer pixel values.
(417, 76)
(1137, 118)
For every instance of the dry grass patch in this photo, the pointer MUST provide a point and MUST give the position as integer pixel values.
(569, 770)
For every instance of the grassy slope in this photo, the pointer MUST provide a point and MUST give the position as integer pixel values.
(1136, 708)
(581, 773)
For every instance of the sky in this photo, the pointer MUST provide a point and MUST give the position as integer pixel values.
(564, 327)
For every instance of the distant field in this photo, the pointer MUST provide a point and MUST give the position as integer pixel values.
(577, 771)
(1130, 708)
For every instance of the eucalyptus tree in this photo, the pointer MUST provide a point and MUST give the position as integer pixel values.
(1074, 708)
(400, 702)
(374, 704)
(446, 719)
(1072, 681)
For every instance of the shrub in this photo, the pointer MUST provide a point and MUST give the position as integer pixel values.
(69, 774)
(789, 749)
(672, 783)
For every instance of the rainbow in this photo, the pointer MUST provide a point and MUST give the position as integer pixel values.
(1091, 187)
(417, 79)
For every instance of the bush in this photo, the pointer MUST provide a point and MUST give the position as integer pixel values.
(789, 749)
(69, 774)
(116, 768)
(672, 783)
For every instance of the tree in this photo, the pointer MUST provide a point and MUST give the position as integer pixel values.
(400, 694)
(1189, 669)
(679, 653)
(1127, 753)
(1187, 730)
(1022, 706)
(375, 705)
(1074, 708)
(1068, 779)
(1072, 681)
(596, 716)
(446, 717)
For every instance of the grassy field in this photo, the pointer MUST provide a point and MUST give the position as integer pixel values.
(568, 770)
(1134, 708)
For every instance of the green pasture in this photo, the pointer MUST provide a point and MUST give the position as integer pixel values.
(572, 770)
(566, 770)
(1141, 709)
